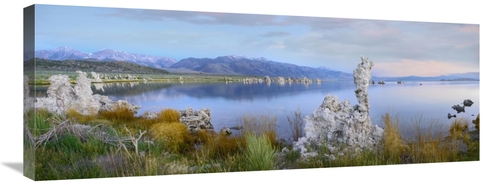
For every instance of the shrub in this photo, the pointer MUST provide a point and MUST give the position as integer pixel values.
(175, 136)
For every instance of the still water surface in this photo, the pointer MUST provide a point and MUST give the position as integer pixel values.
(431, 101)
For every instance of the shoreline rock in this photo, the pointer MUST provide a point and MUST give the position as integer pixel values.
(468, 103)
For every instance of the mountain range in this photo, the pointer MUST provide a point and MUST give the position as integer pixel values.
(226, 65)
(95, 66)
(105, 55)
(239, 65)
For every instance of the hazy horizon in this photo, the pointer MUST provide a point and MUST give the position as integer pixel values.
(398, 48)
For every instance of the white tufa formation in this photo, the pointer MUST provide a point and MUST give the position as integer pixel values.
(95, 77)
(61, 97)
(196, 120)
(27, 100)
(338, 126)
(86, 104)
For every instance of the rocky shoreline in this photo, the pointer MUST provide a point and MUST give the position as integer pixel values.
(62, 97)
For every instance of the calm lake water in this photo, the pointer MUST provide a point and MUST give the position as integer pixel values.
(431, 101)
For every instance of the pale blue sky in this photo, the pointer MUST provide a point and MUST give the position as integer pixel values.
(397, 48)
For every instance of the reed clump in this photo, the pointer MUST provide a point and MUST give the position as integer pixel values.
(296, 123)
(260, 125)
(393, 144)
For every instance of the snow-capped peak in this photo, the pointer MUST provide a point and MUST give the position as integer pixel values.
(68, 53)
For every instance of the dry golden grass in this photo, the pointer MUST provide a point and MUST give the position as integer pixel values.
(222, 146)
(227, 145)
(459, 136)
(174, 135)
(432, 142)
(393, 144)
(71, 113)
(168, 116)
(476, 123)
(120, 113)
(204, 136)
(217, 146)
(458, 128)
(164, 116)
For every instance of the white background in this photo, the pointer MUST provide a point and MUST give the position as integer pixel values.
(472, 12)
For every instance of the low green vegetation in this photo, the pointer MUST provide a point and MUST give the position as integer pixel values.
(41, 77)
(117, 144)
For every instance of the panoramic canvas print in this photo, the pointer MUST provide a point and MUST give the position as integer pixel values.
(115, 92)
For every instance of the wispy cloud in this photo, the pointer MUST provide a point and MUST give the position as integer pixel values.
(470, 29)
(275, 34)
(210, 18)
(277, 45)
(421, 68)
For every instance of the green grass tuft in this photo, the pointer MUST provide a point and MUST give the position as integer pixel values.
(259, 154)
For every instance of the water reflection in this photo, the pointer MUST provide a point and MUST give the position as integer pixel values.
(227, 90)
(99, 86)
